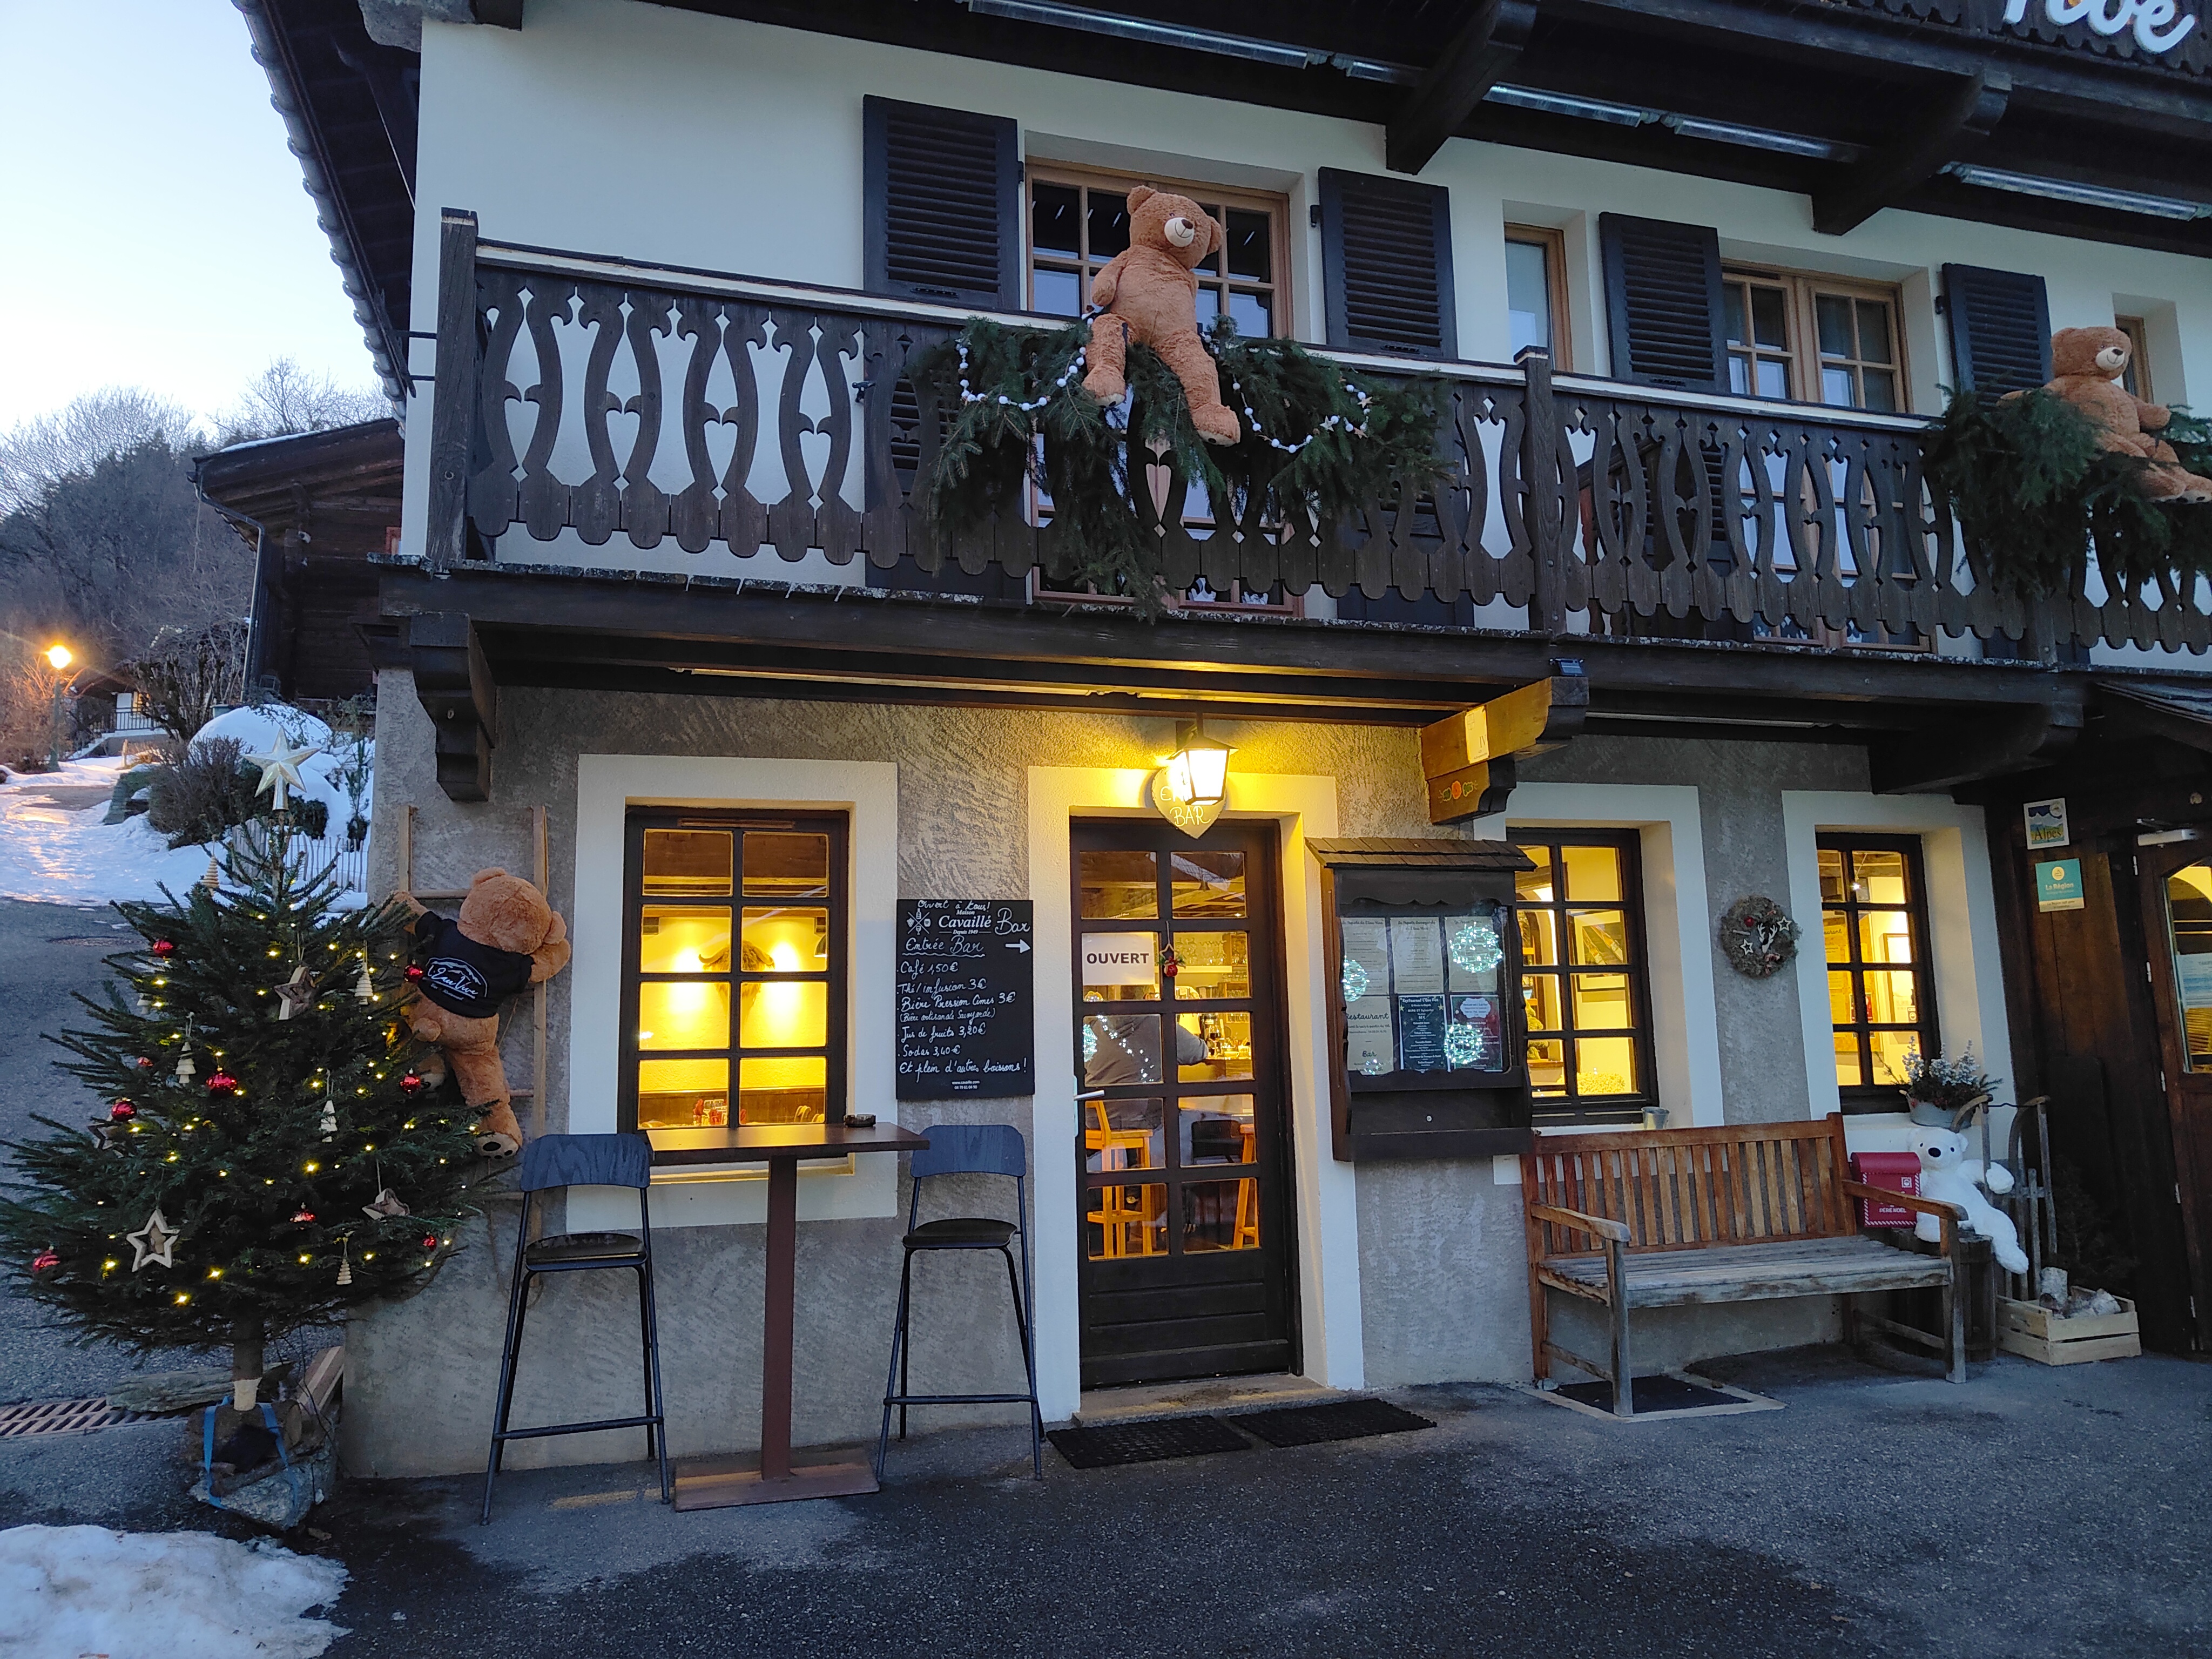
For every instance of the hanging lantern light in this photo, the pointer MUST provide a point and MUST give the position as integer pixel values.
(1198, 771)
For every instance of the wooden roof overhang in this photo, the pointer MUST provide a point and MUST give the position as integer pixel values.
(274, 479)
(1930, 722)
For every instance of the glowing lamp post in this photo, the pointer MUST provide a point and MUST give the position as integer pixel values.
(58, 656)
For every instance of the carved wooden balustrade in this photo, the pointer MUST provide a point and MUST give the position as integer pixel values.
(592, 415)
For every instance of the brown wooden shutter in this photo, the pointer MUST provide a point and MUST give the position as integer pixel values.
(2000, 328)
(1386, 261)
(941, 191)
(1662, 296)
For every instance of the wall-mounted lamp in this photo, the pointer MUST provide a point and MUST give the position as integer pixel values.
(1189, 789)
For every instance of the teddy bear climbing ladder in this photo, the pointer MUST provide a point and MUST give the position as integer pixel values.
(540, 852)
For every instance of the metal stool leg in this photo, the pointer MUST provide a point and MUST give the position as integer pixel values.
(517, 1297)
(906, 1347)
(645, 1362)
(891, 1375)
(1029, 1365)
(659, 1440)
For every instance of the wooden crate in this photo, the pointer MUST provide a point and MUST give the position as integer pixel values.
(2030, 1328)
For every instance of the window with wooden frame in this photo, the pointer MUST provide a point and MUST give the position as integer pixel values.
(733, 969)
(1881, 993)
(2136, 377)
(1814, 339)
(1537, 291)
(1080, 220)
(1584, 994)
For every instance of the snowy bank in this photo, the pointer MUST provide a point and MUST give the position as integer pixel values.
(71, 1590)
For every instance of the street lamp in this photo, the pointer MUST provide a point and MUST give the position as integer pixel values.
(58, 656)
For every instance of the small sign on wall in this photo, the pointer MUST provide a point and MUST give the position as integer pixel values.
(2058, 884)
(1119, 958)
(2046, 825)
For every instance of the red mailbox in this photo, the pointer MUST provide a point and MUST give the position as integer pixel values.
(1898, 1172)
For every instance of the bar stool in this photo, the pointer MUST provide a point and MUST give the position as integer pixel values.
(966, 1149)
(552, 1161)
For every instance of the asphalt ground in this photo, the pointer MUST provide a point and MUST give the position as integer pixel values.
(1881, 1511)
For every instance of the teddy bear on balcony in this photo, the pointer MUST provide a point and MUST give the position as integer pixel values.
(2087, 366)
(1148, 295)
(506, 938)
(1947, 1174)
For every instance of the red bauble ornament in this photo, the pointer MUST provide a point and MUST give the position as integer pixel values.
(144, 1063)
(163, 947)
(303, 1217)
(1171, 964)
(222, 1083)
(429, 1241)
(45, 1260)
(414, 972)
(122, 1112)
(411, 1083)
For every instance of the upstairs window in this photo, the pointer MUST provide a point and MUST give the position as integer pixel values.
(1815, 339)
(2136, 378)
(1537, 291)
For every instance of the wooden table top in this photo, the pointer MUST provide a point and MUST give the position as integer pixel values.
(770, 1143)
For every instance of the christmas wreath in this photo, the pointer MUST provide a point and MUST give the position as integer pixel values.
(1758, 937)
(2026, 477)
(1318, 442)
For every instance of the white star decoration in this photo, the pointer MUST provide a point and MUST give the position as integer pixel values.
(153, 1242)
(280, 770)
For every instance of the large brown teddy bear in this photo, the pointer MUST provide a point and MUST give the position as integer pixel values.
(1149, 294)
(507, 937)
(2087, 364)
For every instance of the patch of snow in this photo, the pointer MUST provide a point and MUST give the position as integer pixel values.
(70, 1590)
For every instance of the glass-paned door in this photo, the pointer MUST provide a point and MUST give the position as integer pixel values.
(2177, 909)
(1183, 1213)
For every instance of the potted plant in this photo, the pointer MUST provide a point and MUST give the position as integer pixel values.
(1937, 1090)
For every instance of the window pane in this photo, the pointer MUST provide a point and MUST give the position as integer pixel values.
(1059, 292)
(1847, 1059)
(1600, 937)
(1833, 312)
(1120, 884)
(688, 863)
(1213, 1048)
(1541, 999)
(1843, 1007)
(1893, 998)
(1120, 966)
(685, 1014)
(1873, 330)
(1605, 1066)
(682, 1093)
(1209, 305)
(786, 865)
(1884, 936)
(1125, 1221)
(1250, 246)
(1836, 388)
(1122, 1134)
(1878, 878)
(1540, 938)
(791, 1089)
(1879, 389)
(1529, 294)
(1892, 1055)
(673, 940)
(1220, 1215)
(1211, 265)
(1206, 884)
(1548, 1067)
(1534, 885)
(1770, 318)
(1217, 1130)
(1120, 1048)
(1837, 930)
(1732, 307)
(787, 940)
(2189, 924)
(1052, 219)
(792, 1014)
(1213, 965)
(1773, 378)
(1832, 877)
(1253, 313)
(1109, 225)
(1593, 873)
(1602, 1003)
(1740, 376)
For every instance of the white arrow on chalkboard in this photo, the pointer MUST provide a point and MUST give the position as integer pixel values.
(1021, 945)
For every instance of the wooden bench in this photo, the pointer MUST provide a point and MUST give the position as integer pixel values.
(1665, 1217)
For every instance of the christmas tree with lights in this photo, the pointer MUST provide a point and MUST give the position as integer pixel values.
(264, 1156)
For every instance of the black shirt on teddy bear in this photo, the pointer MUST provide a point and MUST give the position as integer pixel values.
(463, 976)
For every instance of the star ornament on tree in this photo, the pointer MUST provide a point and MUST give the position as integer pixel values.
(280, 771)
(155, 1242)
(297, 993)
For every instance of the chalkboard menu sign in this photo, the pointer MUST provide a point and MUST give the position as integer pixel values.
(964, 984)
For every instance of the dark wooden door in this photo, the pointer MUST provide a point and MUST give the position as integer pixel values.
(1185, 1215)
(2177, 896)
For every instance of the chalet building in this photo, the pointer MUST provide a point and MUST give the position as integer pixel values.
(663, 620)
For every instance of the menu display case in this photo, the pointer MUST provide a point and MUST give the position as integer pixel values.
(1425, 1024)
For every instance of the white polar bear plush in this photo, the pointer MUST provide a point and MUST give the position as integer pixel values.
(1947, 1174)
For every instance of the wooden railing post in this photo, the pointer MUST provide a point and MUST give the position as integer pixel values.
(1539, 482)
(453, 393)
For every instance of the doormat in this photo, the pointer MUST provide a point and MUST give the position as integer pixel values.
(1340, 1420)
(40, 1417)
(1661, 1394)
(1150, 1442)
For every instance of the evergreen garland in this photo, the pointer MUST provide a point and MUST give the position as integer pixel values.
(2027, 481)
(1319, 441)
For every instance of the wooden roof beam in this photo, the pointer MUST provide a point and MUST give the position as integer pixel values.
(1950, 755)
(1482, 51)
(1957, 127)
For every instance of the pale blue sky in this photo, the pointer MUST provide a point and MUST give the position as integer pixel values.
(153, 229)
